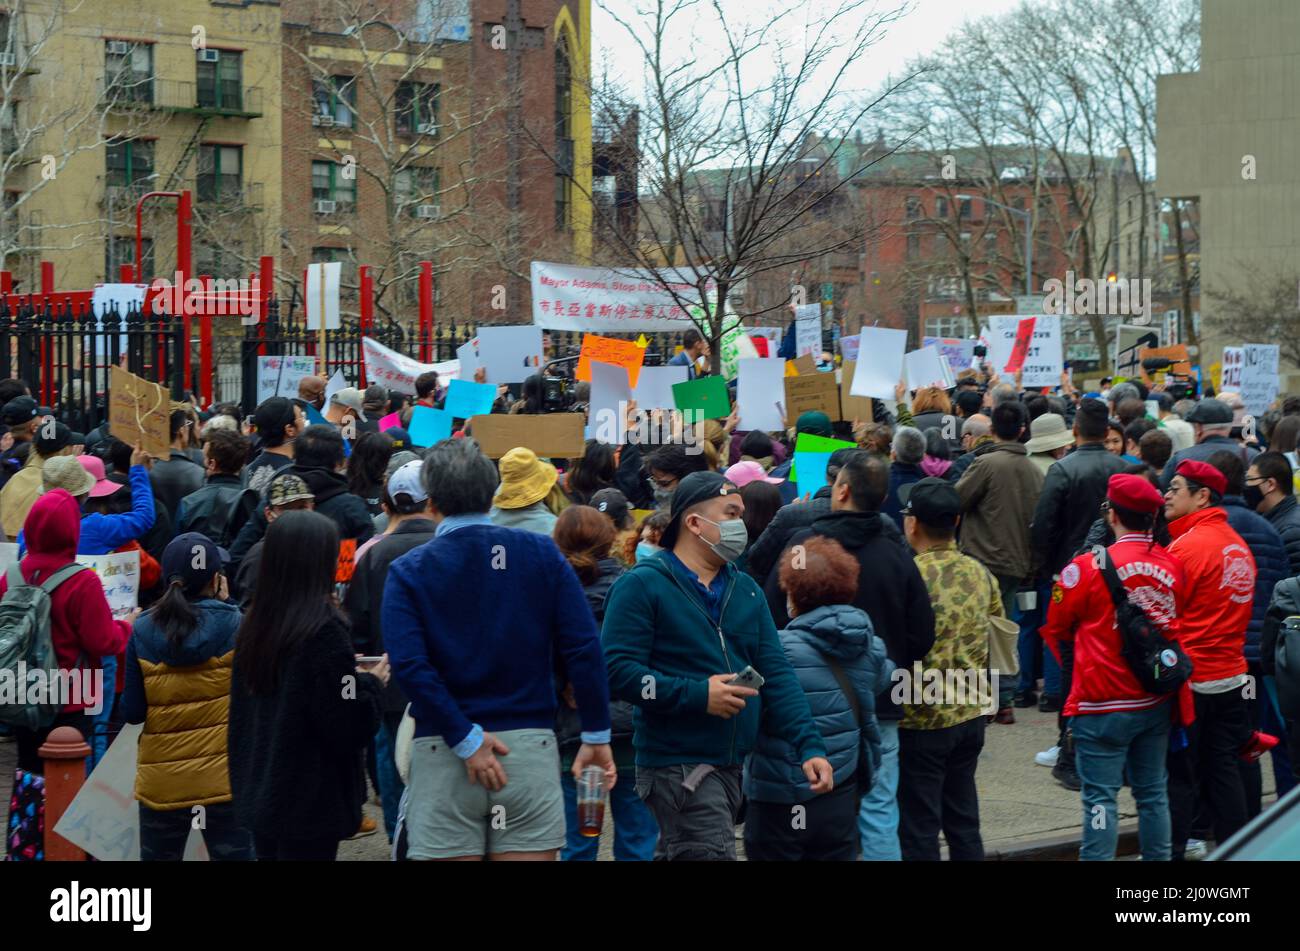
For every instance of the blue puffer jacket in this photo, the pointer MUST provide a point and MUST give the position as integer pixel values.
(774, 772)
(1271, 564)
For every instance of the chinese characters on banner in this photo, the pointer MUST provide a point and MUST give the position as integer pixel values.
(398, 372)
(567, 297)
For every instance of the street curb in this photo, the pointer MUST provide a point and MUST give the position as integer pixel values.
(1060, 847)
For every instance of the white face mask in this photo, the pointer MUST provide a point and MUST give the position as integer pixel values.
(733, 538)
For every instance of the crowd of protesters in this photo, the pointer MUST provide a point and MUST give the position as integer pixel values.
(328, 613)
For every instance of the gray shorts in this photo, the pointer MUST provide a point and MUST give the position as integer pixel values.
(448, 817)
(699, 825)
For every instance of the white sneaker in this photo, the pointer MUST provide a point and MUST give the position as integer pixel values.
(1048, 757)
(1196, 850)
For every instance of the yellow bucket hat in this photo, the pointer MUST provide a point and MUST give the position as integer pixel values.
(525, 479)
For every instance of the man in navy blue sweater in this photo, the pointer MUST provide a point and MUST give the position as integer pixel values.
(476, 622)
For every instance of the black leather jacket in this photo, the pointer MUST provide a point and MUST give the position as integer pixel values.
(1069, 503)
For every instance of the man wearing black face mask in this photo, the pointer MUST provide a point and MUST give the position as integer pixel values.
(678, 626)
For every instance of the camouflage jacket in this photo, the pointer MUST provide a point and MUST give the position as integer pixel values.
(953, 685)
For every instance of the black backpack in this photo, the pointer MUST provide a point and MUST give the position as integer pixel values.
(1159, 664)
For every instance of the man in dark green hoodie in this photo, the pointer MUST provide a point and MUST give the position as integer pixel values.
(678, 626)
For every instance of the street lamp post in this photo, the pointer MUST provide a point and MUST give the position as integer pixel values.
(1029, 237)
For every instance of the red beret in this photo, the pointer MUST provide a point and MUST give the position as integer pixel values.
(1204, 474)
(1134, 493)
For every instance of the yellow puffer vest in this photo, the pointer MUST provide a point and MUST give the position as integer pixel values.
(182, 759)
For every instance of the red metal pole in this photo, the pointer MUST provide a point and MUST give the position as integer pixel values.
(267, 264)
(64, 752)
(367, 314)
(426, 308)
(183, 262)
(126, 274)
(6, 282)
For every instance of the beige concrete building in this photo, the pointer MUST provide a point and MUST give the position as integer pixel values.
(1228, 136)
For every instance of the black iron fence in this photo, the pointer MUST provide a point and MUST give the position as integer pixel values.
(65, 352)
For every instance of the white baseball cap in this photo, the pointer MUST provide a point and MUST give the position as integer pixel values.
(406, 481)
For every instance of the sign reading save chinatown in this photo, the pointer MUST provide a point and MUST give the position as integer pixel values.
(567, 297)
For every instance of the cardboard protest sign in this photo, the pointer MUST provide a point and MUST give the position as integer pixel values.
(510, 354)
(705, 395)
(759, 391)
(804, 365)
(880, 362)
(279, 376)
(561, 435)
(1259, 378)
(466, 399)
(815, 393)
(429, 426)
(1182, 362)
(611, 350)
(654, 387)
(103, 819)
(119, 573)
(808, 329)
(138, 412)
(853, 407)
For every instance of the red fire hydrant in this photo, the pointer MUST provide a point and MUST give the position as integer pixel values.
(64, 752)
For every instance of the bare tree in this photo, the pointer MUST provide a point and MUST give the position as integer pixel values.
(1261, 308)
(738, 153)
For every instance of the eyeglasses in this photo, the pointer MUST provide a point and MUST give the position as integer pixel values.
(664, 483)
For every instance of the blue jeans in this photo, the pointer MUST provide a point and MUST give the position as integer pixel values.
(1032, 648)
(98, 742)
(878, 811)
(635, 831)
(390, 781)
(1270, 721)
(1105, 744)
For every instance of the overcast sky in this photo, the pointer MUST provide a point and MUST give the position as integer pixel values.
(917, 33)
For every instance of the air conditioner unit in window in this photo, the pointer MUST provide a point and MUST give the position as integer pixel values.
(8, 59)
(118, 47)
(428, 211)
(322, 120)
(209, 56)
(326, 207)
(427, 128)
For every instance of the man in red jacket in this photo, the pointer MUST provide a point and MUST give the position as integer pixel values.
(81, 626)
(1220, 573)
(1116, 723)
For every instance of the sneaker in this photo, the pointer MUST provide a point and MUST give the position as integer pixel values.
(1196, 850)
(1005, 716)
(1048, 757)
(368, 827)
(1049, 704)
(1026, 699)
(1065, 774)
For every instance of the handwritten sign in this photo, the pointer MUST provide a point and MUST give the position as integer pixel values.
(1259, 377)
(138, 412)
(611, 350)
(956, 351)
(1234, 362)
(815, 393)
(1044, 358)
(808, 329)
(279, 376)
(119, 573)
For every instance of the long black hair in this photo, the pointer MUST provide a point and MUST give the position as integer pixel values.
(174, 612)
(593, 471)
(368, 462)
(294, 597)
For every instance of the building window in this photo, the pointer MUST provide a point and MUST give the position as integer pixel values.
(130, 164)
(221, 170)
(9, 127)
(715, 214)
(416, 187)
(913, 247)
(417, 108)
(335, 98)
(213, 260)
(119, 250)
(220, 83)
(941, 207)
(128, 70)
(964, 240)
(913, 208)
(563, 135)
(328, 183)
(952, 326)
(965, 211)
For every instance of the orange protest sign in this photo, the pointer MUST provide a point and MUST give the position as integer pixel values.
(1182, 362)
(621, 353)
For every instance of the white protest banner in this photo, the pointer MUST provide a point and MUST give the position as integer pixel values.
(568, 297)
(760, 394)
(808, 330)
(102, 299)
(467, 354)
(119, 573)
(1234, 361)
(654, 387)
(510, 354)
(279, 376)
(880, 362)
(103, 819)
(610, 394)
(1044, 361)
(927, 367)
(1259, 380)
(329, 272)
(397, 371)
(958, 352)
